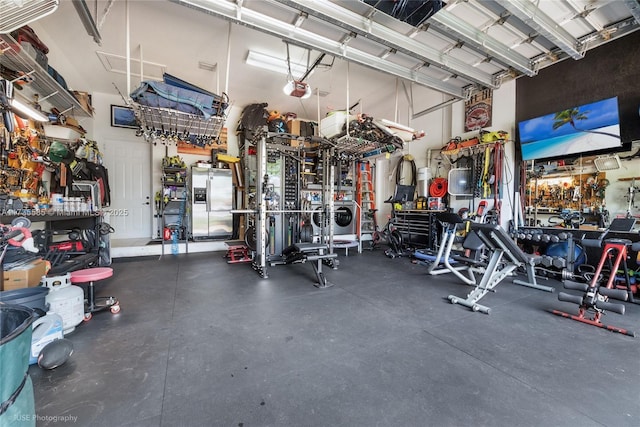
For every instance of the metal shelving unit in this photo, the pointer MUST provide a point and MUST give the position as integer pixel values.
(12, 56)
(165, 123)
(174, 216)
(358, 148)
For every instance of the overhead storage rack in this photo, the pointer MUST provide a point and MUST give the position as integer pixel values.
(164, 123)
(40, 82)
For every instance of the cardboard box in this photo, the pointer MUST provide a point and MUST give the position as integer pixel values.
(84, 98)
(296, 127)
(25, 276)
(591, 227)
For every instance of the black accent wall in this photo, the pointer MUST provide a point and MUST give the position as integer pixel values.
(606, 71)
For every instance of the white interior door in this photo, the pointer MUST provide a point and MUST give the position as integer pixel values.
(128, 163)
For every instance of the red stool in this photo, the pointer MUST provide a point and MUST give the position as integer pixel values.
(91, 275)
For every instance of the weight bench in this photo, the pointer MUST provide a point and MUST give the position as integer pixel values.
(303, 252)
(442, 263)
(505, 257)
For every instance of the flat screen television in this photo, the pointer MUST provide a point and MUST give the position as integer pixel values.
(584, 129)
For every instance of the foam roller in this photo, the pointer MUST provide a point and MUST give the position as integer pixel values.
(575, 286)
(576, 299)
(619, 294)
(610, 306)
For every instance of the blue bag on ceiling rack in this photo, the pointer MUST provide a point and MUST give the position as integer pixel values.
(219, 100)
(175, 81)
(164, 95)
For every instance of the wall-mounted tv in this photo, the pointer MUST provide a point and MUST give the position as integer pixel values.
(584, 129)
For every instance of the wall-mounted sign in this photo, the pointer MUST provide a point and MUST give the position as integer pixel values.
(478, 110)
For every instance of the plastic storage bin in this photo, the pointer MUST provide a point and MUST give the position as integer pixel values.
(333, 124)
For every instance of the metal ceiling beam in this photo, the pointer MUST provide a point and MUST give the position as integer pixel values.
(527, 12)
(87, 20)
(352, 22)
(634, 7)
(447, 23)
(613, 31)
(585, 14)
(288, 32)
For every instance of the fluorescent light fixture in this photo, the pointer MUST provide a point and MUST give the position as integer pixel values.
(298, 89)
(18, 107)
(271, 63)
(607, 163)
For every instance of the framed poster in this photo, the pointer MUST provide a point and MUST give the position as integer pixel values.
(123, 117)
(478, 110)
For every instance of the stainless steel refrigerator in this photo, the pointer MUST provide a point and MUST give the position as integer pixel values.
(212, 201)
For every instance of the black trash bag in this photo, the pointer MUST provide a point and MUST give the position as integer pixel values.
(252, 119)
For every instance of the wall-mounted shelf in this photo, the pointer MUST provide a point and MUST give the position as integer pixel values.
(49, 91)
(449, 152)
(165, 123)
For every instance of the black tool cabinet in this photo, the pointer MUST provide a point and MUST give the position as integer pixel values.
(56, 228)
(418, 227)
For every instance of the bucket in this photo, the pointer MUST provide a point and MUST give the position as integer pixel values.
(16, 390)
(45, 330)
(30, 297)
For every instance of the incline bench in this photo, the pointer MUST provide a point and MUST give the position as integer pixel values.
(506, 257)
(303, 252)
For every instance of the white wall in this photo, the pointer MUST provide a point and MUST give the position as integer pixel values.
(440, 126)
(99, 129)
(504, 100)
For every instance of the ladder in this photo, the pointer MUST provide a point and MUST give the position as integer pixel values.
(365, 198)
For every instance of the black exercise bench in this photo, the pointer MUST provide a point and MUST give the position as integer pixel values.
(303, 252)
(505, 257)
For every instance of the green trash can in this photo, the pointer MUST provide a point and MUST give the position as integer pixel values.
(17, 405)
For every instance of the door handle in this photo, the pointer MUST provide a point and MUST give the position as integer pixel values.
(146, 203)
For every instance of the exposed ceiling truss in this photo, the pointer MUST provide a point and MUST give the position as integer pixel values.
(466, 46)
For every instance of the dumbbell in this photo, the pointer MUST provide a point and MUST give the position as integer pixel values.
(555, 238)
(559, 262)
(537, 237)
(546, 238)
(547, 260)
(563, 236)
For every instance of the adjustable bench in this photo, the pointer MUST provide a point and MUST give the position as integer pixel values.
(318, 252)
(442, 263)
(506, 257)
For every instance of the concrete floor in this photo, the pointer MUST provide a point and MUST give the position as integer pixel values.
(200, 342)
